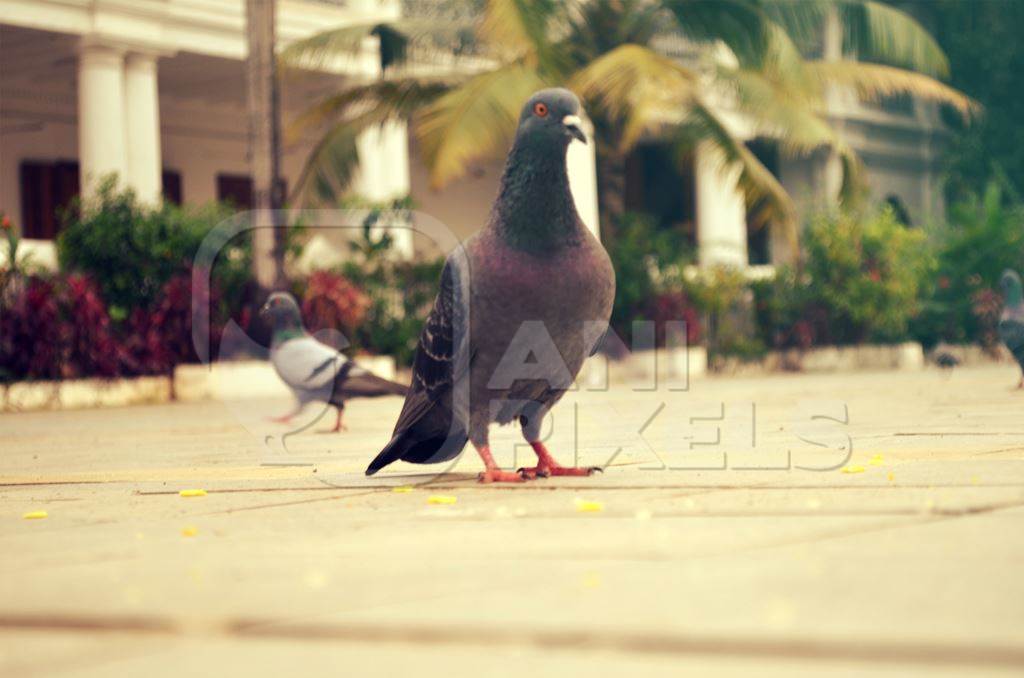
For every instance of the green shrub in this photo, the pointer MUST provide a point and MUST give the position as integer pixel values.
(132, 250)
(648, 264)
(862, 279)
(401, 292)
(724, 298)
(983, 236)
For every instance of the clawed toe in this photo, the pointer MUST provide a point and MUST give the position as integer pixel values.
(547, 472)
(534, 472)
(498, 476)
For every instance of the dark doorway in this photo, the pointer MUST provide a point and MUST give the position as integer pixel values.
(47, 187)
(759, 235)
(659, 183)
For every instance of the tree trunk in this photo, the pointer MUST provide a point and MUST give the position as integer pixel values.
(264, 145)
(611, 191)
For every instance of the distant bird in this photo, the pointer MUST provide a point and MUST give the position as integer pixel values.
(944, 356)
(314, 371)
(1011, 322)
(509, 329)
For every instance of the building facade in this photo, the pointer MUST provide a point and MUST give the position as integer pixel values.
(153, 91)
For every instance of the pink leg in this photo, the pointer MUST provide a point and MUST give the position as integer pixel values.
(493, 474)
(547, 466)
(286, 418)
(338, 426)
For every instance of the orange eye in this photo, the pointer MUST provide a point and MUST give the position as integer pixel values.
(540, 109)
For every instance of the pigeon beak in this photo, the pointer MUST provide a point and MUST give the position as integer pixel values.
(572, 125)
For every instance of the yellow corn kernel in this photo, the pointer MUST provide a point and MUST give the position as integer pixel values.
(853, 469)
(402, 489)
(189, 531)
(35, 515)
(192, 493)
(441, 499)
(585, 506)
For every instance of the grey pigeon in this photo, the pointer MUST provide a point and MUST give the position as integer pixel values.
(314, 371)
(1011, 321)
(521, 305)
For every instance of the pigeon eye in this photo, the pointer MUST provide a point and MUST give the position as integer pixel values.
(540, 109)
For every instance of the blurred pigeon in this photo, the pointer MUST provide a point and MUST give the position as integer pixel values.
(314, 371)
(945, 356)
(521, 305)
(1011, 322)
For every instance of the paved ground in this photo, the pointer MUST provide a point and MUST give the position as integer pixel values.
(698, 549)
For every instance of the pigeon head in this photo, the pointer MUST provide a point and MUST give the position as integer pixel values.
(551, 118)
(1010, 283)
(281, 310)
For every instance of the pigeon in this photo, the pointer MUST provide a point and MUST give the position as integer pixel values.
(1011, 321)
(314, 371)
(521, 305)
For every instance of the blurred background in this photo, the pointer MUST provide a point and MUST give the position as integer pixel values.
(781, 175)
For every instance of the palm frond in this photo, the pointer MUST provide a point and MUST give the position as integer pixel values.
(877, 31)
(766, 198)
(739, 24)
(876, 81)
(396, 37)
(474, 120)
(400, 97)
(635, 86)
(331, 164)
(518, 30)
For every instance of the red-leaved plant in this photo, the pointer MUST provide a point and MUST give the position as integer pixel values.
(332, 302)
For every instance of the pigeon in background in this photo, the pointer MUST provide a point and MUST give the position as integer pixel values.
(528, 286)
(1011, 322)
(945, 357)
(314, 371)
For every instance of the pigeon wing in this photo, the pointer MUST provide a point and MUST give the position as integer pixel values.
(307, 365)
(433, 369)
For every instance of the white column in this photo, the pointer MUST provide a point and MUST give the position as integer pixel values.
(581, 162)
(142, 113)
(384, 172)
(721, 212)
(101, 128)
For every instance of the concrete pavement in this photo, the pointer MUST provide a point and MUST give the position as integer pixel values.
(789, 525)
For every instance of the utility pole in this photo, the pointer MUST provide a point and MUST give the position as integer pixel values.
(264, 144)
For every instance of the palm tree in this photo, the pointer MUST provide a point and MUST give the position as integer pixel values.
(621, 56)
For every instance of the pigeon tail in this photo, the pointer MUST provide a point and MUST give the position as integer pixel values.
(416, 448)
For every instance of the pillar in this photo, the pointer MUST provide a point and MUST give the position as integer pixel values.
(101, 116)
(384, 173)
(581, 162)
(721, 212)
(142, 112)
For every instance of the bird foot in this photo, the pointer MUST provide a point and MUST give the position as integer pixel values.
(496, 475)
(336, 429)
(285, 419)
(533, 472)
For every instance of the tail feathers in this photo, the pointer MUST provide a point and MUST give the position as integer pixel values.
(414, 447)
(368, 385)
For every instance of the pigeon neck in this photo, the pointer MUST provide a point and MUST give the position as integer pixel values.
(535, 210)
(284, 333)
(1014, 295)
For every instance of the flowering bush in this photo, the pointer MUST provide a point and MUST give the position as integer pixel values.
(58, 327)
(862, 282)
(983, 236)
(331, 301)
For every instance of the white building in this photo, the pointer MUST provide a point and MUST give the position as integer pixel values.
(154, 91)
